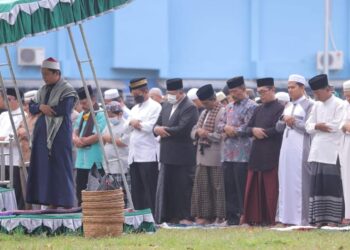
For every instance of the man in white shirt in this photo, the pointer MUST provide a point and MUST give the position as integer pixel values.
(143, 153)
(5, 132)
(326, 193)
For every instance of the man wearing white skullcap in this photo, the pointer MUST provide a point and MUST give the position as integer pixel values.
(221, 97)
(156, 94)
(293, 174)
(113, 95)
(283, 98)
(344, 155)
(297, 78)
(50, 176)
(192, 95)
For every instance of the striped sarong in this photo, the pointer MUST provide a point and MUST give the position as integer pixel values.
(326, 194)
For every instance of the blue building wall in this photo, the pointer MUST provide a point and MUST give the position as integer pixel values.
(202, 39)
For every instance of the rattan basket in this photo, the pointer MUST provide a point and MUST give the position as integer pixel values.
(103, 213)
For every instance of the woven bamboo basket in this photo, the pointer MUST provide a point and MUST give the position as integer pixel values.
(94, 230)
(98, 196)
(103, 213)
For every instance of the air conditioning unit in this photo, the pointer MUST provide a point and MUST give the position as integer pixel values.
(30, 56)
(335, 60)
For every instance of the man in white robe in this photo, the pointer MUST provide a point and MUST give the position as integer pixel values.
(344, 154)
(326, 193)
(294, 172)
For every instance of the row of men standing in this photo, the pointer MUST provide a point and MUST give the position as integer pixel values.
(310, 189)
(245, 137)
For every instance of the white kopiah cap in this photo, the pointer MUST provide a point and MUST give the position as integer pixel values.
(346, 85)
(297, 78)
(111, 94)
(30, 95)
(51, 63)
(192, 94)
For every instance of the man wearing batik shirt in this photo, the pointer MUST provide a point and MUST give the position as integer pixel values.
(236, 147)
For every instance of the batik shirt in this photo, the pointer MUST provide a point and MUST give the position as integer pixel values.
(238, 114)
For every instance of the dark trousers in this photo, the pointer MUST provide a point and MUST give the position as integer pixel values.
(235, 175)
(178, 184)
(144, 176)
(81, 181)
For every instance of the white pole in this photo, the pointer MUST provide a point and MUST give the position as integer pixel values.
(326, 37)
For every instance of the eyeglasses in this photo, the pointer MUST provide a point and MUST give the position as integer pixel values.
(263, 91)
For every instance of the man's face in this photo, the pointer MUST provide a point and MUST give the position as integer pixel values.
(156, 97)
(175, 93)
(238, 93)
(295, 91)
(49, 77)
(322, 94)
(266, 94)
(13, 103)
(136, 92)
(208, 104)
(85, 104)
(347, 95)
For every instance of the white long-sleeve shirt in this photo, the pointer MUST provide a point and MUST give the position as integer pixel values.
(6, 130)
(143, 143)
(325, 146)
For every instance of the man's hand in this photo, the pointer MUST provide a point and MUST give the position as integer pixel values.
(346, 127)
(161, 131)
(136, 124)
(77, 142)
(230, 131)
(21, 133)
(47, 110)
(106, 138)
(323, 127)
(202, 133)
(289, 120)
(259, 133)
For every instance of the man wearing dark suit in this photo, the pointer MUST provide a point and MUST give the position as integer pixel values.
(177, 155)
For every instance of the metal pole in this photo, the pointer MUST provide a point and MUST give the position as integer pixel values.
(3, 174)
(326, 37)
(128, 194)
(11, 164)
(92, 112)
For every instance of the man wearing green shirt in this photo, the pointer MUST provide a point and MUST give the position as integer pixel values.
(85, 138)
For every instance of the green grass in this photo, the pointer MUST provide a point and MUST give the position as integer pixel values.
(229, 238)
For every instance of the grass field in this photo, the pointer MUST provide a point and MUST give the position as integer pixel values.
(228, 238)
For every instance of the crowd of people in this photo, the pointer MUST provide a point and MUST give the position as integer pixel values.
(197, 157)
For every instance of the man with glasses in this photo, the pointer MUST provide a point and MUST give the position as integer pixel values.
(261, 191)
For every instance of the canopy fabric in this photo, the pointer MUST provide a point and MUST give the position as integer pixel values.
(22, 18)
